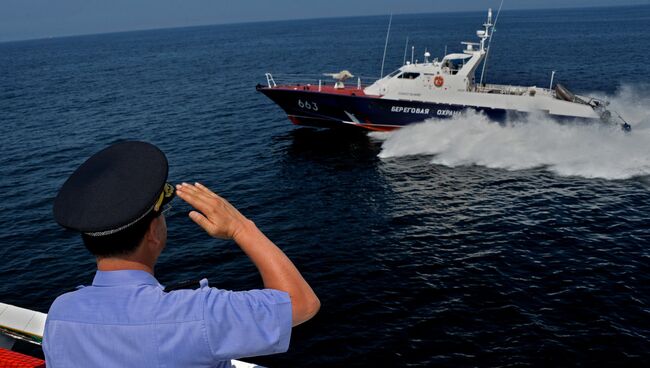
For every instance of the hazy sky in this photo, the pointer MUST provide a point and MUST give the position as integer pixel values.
(25, 19)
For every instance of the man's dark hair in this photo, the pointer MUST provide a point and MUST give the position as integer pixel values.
(121, 243)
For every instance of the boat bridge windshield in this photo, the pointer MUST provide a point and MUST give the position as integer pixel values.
(391, 75)
(408, 75)
(454, 62)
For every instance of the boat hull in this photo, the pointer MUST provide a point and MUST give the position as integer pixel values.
(307, 106)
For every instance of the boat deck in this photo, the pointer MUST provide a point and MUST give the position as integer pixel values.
(511, 90)
(347, 91)
(354, 91)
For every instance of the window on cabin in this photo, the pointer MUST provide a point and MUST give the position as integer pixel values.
(394, 73)
(408, 75)
(454, 65)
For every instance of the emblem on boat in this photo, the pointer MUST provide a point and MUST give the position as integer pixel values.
(438, 81)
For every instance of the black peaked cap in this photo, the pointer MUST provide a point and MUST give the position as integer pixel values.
(113, 189)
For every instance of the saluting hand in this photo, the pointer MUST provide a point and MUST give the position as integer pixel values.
(214, 214)
(220, 219)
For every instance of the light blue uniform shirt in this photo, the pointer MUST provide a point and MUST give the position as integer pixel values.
(125, 319)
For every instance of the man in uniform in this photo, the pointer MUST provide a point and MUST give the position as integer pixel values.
(117, 200)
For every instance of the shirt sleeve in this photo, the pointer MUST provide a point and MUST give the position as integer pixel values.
(247, 323)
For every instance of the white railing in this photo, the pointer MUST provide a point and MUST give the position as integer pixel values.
(269, 80)
(512, 90)
(314, 80)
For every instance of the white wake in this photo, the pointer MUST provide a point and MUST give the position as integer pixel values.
(592, 151)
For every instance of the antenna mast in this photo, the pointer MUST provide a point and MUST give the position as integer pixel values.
(487, 53)
(386, 45)
(405, 48)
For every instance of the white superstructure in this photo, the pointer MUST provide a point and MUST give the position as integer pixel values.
(452, 81)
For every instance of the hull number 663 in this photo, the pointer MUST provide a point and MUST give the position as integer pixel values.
(308, 105)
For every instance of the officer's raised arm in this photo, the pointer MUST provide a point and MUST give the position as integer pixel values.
(221, 220)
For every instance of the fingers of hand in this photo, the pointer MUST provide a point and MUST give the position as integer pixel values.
(210, 227)
(201, 220)
(195, 198)
(205, 190)
(199, 190)
(199, 193)
(214, 214)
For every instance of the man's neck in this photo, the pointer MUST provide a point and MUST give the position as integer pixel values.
(117, 264)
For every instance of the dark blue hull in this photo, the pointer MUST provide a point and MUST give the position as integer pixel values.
(312, 108)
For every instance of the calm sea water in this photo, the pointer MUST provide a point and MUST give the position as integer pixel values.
(458, 243)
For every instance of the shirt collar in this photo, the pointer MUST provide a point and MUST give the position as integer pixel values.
(124, 277)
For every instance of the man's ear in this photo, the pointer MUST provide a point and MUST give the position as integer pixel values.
(151, 236)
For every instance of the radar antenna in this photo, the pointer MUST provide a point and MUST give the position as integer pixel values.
(487, 53)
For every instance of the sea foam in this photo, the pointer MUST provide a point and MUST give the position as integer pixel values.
(567, 149)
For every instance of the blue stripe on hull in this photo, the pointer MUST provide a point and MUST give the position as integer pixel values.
(328, 110)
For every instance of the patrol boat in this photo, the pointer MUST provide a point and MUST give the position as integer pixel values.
(431, 89)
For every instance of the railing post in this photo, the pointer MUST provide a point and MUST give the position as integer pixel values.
(269, 80)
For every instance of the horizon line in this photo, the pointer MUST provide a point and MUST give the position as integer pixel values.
(301, 19)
